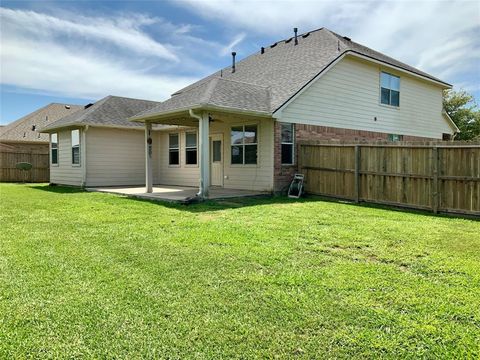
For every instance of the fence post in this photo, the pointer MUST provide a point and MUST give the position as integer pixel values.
(435, 179)
(357, 173)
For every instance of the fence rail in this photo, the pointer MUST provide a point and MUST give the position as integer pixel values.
(9, 173)
(441, 177)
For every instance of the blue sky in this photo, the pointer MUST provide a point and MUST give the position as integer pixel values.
(80, 51)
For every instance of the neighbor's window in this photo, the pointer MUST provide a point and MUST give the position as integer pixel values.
(287, 144)
(191, 148)
(389, 89)
(54, 148)
(244, 144)
(173, 149)
(395, 137)
(76, 147)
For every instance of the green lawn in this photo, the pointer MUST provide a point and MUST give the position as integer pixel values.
(101, 276)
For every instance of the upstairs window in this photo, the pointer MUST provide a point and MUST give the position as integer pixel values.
(389, 89)
(191, 148)
(173, 150)
(287, 143)
(244, 144)
(54, 148)
(76, 147)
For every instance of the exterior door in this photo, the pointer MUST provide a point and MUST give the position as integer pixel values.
(216, 160)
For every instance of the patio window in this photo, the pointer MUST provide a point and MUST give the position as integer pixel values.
(191, 148)
(287, 143)
(389, 89)
(54, 148)
(244, 144)
(173, 149)
(76, 147)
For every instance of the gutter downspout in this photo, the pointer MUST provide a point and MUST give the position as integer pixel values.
(200, 193)
(84, 156)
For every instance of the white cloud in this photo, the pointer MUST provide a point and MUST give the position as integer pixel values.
(439, 37)
(230, 47)
(91, 57)
(123, 32)
(58, 71)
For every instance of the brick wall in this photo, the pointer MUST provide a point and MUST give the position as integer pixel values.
(283, 174)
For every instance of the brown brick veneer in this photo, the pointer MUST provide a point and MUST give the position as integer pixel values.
(283, 174)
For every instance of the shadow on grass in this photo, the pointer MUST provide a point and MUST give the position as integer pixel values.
(57, 189)
(241, 202)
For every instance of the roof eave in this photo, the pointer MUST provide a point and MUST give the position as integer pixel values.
(201, 107)
(12, 141)
(369, 58)
(52, 128)
(451, 122)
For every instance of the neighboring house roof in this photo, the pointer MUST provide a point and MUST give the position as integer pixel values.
(110, 111)
(277, 74)
(26, 129)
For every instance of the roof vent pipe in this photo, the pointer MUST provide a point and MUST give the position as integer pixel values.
(295, 30)
(233, 61)
(262, 50)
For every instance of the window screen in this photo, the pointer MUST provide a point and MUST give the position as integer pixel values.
(76, 147)
(389, 89)
(287, 143)
(244, 144)
(54, 148)
(173, 150)
(191, 148)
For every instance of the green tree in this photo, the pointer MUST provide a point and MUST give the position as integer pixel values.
(464, 112)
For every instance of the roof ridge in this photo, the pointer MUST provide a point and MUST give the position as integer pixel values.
(207, 96)
(131, 98)
(89, 110)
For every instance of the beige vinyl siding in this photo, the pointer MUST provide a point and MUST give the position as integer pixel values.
(348, 96)
(248, 177)
(115, 156)
(65, 173)
(181, 175)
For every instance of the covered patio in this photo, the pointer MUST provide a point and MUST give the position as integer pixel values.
(180, 194)
(205, 108)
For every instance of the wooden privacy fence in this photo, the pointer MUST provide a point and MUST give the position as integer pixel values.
(437, 177)
(9, 173)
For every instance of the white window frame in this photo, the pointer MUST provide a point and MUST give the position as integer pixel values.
(244, 145)
(390, 98)
(174, 148)
(191, 147)
(287, 143)
(76, 146)
(54, 148)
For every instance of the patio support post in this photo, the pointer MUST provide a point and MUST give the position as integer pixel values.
(148, 158)
(204, 154)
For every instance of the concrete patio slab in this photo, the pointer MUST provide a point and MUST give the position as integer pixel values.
(181, 194)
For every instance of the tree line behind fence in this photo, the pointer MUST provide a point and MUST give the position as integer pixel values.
(441, 177)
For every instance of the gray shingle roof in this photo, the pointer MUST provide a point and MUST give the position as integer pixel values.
(217, 92)
(109, 111)
(21, 129)
(274, 77)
